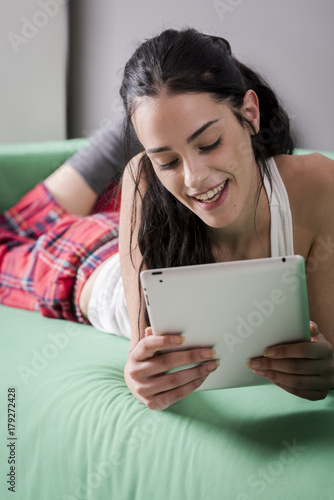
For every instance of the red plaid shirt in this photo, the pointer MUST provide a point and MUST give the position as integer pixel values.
(47, 254)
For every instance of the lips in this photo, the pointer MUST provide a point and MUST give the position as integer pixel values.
(212, 195)
(216, 199)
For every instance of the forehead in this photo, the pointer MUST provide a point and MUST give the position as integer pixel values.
(169, 117)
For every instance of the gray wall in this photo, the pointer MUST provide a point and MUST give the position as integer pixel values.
(290, 41)
(33, 56)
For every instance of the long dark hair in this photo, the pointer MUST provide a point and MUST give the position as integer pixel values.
(188, 61)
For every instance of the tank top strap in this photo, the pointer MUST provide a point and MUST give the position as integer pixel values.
(281, 230)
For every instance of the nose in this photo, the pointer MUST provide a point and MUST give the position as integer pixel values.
(195, 172)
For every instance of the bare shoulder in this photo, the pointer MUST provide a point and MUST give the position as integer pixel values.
(311, 171)
(309, 180)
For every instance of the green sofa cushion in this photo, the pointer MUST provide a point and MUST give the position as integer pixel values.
(82, 435)
(22, 166)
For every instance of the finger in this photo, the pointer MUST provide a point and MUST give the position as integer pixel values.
(291, 365)
(312, 395)
(148, 346)
(175, 359)
(179, 378)
(148, 331)
(172, 381)
(165, 399)
(310, 350)
(314, 330)
(298, 382)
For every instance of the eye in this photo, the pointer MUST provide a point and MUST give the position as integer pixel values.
(166, 166)
(213, 146)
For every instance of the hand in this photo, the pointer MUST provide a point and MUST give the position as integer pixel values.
(146, 367)
(305, 369)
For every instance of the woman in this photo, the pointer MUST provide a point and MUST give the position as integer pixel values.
(217, 182)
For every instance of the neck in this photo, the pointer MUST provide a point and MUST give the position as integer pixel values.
(246, 238)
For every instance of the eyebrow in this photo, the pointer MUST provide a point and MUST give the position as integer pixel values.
(189, 140)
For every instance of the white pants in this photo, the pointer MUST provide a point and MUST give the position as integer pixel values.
(107, 309)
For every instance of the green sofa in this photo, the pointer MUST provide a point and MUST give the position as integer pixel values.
(79, 434)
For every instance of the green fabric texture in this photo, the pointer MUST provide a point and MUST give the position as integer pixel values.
(22, 166)
(81, 435)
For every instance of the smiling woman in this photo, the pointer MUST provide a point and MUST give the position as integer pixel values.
(212, 179)
(217, 181)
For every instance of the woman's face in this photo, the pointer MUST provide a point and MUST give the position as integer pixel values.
(201, 153)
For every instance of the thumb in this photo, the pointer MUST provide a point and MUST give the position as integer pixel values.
(314, 330)
(148, 331)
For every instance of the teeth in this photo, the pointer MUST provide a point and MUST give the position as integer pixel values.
(211, 195)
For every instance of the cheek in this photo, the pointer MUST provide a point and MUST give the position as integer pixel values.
(168, 179)
(238, 144)
(245, 148)
(174, 185)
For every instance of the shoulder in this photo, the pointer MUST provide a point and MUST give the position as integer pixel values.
(306, 169)
(309, 181)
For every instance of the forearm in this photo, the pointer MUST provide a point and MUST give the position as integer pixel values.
(130, 259)
(71, 191)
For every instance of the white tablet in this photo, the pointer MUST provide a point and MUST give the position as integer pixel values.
(239, 308)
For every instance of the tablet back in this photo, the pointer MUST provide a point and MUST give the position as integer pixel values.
(239, 308)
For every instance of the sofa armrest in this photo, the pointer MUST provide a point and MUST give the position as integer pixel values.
(22, 166)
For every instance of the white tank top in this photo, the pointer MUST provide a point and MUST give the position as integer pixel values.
(107, 309)
(281, 233)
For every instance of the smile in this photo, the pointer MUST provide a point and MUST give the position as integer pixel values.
(212, 195)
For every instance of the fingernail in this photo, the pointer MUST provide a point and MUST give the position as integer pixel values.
(253, 364)
(177, 339)
(208, 353)
(213, 366)
(270, 353)
(259, 372)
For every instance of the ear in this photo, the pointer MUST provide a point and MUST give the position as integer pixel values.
(251, 109)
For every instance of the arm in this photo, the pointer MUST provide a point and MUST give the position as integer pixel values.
(78, 183)
(306, 369)
(146, 366)
(320, 262)
(130, 262)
